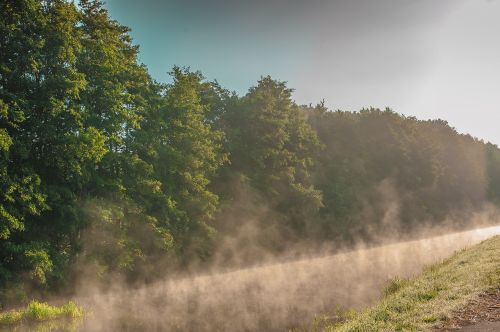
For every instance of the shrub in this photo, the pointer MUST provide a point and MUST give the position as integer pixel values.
(41, 311)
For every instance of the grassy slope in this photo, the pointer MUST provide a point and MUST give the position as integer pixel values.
(428, 300)
(38, 311)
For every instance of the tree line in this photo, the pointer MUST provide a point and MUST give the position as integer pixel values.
(102, 165)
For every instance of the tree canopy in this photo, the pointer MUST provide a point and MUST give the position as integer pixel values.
(102, 167)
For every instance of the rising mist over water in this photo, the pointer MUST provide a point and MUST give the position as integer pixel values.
(271, 297)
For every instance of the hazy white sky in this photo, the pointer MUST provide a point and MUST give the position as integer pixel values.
(427, 58)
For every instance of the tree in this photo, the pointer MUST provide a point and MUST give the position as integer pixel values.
(181, 151)
(272, 145)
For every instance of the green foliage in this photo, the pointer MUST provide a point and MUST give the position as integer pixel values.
(40, 311)
(272, 150)
(71, 92)
(378, 161)
(274, 146)
(40, 263)
(493, 172)
(102, 166)
(173, 156)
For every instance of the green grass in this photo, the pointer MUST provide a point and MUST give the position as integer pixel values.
(39, 312)
(427, 301)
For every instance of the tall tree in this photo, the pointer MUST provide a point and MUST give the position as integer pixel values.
(182, 152)
(272, 145)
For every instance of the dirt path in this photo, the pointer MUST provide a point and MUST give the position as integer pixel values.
(481, 315)
(482, 327)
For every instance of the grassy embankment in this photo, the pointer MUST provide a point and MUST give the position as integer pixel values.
(429, 300)
(39, 312)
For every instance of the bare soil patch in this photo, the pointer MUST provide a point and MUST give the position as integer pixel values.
(486, 308)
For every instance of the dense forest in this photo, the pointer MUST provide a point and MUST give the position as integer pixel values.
(104, 171)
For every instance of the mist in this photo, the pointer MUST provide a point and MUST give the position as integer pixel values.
(272, 297)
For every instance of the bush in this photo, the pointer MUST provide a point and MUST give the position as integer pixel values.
(41, 311)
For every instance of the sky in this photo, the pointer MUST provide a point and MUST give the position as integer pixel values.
(425, 58)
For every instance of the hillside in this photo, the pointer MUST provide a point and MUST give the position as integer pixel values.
(435, 298)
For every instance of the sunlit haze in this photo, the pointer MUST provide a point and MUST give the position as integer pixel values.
(429, 59)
